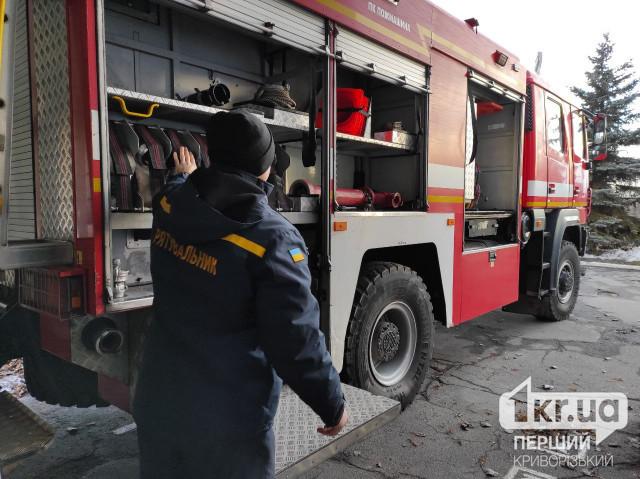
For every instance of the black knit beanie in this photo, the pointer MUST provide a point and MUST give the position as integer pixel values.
(239, 139)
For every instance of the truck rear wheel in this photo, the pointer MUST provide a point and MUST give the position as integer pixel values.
(390, 336)
(56, 381)
(558, 304)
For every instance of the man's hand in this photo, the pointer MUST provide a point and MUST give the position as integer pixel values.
(335, 430)
(185, 162)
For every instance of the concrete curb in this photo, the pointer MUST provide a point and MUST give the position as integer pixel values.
(597, 264)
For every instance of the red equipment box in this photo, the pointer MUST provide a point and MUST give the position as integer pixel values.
(352, 111)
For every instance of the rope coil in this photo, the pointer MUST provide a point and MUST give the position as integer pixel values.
(275, 95)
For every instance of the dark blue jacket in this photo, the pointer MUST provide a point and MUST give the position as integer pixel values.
(233, 310)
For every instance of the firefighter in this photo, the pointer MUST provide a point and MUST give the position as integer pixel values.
(234, 317)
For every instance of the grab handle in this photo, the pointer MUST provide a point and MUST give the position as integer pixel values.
(123, 106)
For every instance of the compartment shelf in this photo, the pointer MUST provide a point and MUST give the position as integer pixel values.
(488, 214)
(135, 297)
(286, 126)
(357, 145)
(282, 122)
(131, 221)
(361, 146)
(139, 220)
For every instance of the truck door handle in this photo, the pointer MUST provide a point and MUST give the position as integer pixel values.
(552, 188)
(576, 191)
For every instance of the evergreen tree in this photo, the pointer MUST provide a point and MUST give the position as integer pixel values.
(615, 181)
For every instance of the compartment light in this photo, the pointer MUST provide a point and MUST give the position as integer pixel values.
(500, 58)
(473, 23)
(493, 86)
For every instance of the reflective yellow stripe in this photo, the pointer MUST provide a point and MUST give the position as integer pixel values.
(446, 199)
(246, 244)
(581, 204)
(166, 207)
(97, 185)
(425, 34)
(361, 19)
(550, 204)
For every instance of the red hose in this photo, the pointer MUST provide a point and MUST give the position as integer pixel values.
(348, 197)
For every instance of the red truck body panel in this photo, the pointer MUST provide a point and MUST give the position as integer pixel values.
(554, 175)
(423, 32)
(487, 285)
(83, 88)
(416, 28)
(451, 47)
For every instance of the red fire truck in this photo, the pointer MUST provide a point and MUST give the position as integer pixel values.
(431, 176)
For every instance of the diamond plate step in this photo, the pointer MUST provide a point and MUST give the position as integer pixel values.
(299, 447)
(22, 432)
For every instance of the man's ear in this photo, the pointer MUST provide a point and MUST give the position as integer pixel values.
(265, 175)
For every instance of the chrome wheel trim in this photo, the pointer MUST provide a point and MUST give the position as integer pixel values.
(566, 282)
(392, 371)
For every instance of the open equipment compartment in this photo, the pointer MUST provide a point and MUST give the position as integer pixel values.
(381, 113)
(169, 69)
(156, 55)
(492, 170)
(387, 158)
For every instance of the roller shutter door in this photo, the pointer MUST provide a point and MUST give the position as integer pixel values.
(364, 55)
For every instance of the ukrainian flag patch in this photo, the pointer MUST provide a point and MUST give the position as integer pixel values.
(296, 254)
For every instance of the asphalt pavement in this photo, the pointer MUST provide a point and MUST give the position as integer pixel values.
(452, 429)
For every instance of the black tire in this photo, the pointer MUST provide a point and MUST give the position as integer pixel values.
(371, 363)
(19, 333)
(559, 303)
(56, 381)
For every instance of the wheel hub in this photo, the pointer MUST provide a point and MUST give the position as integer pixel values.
(565, 282)
(388, 341)
(392, 343)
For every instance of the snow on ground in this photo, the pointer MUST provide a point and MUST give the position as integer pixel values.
(12, 378)
(618, 254)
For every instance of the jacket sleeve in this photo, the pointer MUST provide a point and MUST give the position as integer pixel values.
(288, 320)
(173, 182)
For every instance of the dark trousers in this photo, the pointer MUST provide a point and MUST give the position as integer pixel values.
(172, 455)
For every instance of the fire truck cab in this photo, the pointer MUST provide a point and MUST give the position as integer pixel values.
(432, 178)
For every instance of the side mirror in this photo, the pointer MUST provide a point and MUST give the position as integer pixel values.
(599, 144)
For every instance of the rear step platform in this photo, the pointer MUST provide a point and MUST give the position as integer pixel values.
(299, 447)
(22, 432)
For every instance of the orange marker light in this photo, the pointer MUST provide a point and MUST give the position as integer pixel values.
(451, 221)
(339, 226)
(538, 224)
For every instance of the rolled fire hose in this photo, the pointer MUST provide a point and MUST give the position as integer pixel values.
(348, 197)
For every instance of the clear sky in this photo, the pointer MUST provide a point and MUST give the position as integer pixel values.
(565, 31)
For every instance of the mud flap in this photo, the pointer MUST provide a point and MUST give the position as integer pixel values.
(22, 432)
(299, 447)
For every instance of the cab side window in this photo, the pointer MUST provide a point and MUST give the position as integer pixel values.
(578, 136)
(555, 132)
